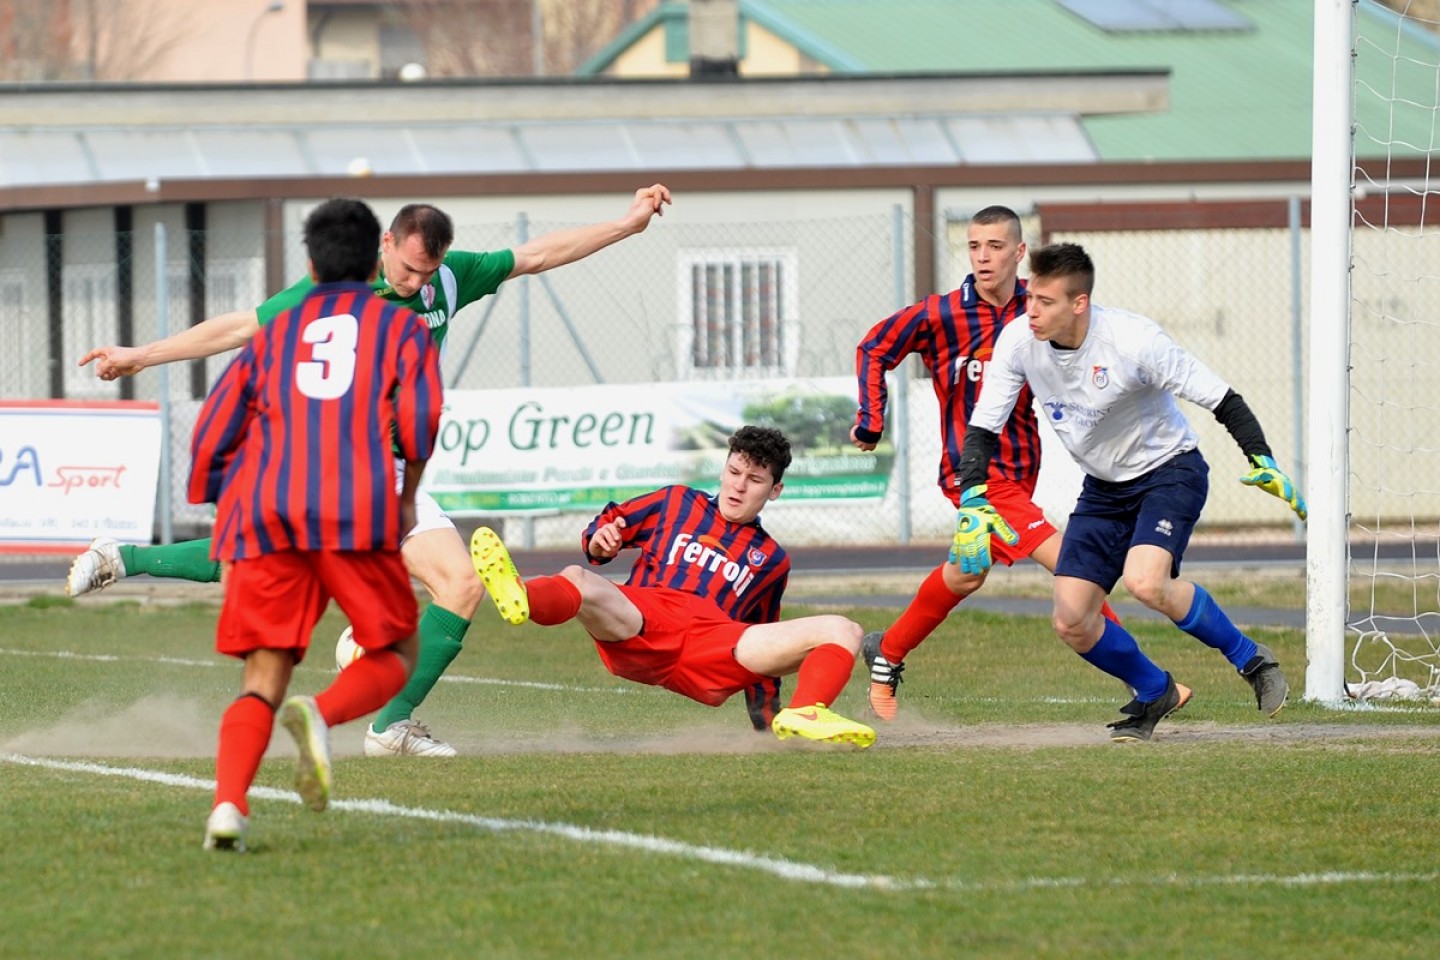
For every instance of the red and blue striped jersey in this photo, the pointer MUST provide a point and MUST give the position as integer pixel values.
(954, 333)
(294, 444)
(686, 544)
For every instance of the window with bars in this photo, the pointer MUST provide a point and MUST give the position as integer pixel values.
(738, 314)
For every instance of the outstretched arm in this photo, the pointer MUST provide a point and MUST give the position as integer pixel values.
(576, 243)
(207, 338)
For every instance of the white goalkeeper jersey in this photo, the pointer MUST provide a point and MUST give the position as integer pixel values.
(1111, 401)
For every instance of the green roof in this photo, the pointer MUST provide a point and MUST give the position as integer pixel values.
(1233, 94)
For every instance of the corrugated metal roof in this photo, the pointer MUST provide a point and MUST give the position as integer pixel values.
(52, 135)
(98, 155)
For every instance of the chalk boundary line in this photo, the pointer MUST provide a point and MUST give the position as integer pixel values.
(778, 867)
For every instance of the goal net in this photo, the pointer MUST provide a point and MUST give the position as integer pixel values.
(1373, 617)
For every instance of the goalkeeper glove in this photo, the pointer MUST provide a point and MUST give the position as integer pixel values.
(1275, 482)
(974, 523)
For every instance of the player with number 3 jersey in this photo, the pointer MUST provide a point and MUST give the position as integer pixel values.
(295, 453)
(296, 447)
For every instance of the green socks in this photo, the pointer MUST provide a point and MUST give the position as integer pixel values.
(189, 560)
(440, 635)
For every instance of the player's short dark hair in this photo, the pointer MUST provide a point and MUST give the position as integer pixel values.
(342, 236)
(995, 213)
(432, 224)
(763, 447)
(1064, 260)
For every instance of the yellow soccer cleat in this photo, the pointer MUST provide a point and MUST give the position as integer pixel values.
(497, 571)
(820, 723)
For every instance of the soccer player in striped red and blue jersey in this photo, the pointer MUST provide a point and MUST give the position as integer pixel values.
(700, 612)
(954, 335)
(297, 447)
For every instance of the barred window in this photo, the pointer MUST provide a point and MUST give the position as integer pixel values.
(738, 314)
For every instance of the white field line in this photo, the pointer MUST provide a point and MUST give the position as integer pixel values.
(775, 866)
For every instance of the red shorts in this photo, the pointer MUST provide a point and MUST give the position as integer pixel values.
(685, 644)
(1013, 501)
(273, 602)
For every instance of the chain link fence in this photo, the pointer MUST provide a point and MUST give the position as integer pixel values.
(707, 302)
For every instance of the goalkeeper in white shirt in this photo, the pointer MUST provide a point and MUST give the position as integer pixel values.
(1107, 381)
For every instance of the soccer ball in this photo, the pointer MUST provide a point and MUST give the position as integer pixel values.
(347, 651)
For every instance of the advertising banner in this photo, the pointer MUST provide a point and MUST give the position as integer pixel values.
(545, 450)
(70, 470)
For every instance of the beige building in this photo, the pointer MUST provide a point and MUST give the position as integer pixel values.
(282, 41)
(267, 41)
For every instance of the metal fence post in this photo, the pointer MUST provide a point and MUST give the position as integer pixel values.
(162, 319)
(522, 234)
(901, 406)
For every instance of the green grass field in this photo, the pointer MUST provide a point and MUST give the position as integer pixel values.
(588, 817)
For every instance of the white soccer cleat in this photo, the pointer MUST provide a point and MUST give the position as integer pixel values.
(95, 569)
(301, 717)
(225, 830)
(408, 738)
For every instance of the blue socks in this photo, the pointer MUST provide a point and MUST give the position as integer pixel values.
(1117, 654)
(1207, 623)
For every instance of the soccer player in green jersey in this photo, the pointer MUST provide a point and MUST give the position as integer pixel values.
(420, 271)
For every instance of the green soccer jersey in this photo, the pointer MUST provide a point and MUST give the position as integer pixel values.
(463, 278)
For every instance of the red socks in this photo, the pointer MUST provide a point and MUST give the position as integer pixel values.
(552, 600)
(932, 604)
(823, 674)
(363, 687)
(244, 734)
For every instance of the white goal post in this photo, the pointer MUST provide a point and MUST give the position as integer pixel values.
(1326, 549)
(1373, 435)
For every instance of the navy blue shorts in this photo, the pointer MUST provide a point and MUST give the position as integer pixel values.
(1158, 508)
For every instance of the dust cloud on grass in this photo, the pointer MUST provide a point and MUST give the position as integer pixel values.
(163, 726)
(158, 727)
(155, 726)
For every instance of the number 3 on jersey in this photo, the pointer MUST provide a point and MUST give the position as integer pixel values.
(331, 369)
